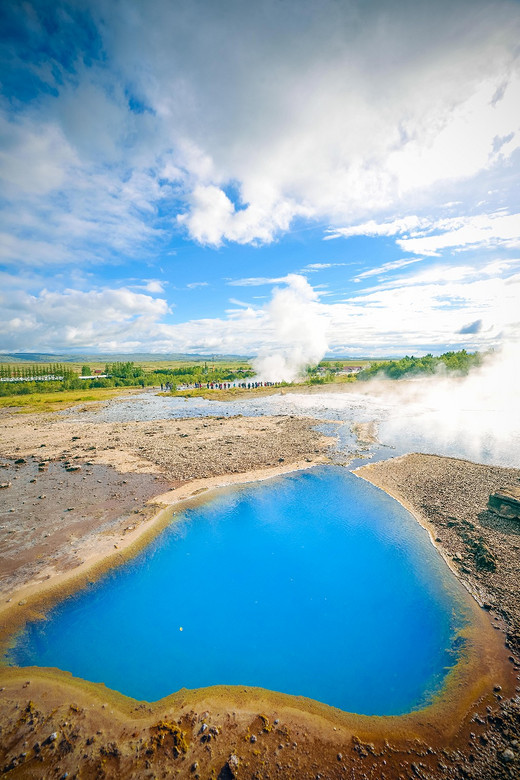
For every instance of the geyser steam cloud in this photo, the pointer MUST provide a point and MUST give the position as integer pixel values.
(299, 327)
(475, 416)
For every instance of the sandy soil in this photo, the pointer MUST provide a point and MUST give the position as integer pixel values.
(53, 725)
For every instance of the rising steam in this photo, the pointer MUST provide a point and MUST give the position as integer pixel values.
(474, 417)
(294, 316)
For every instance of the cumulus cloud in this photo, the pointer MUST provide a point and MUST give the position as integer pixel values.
(101, 319)
(227, 122)
(459, 307)
(333, 112)
(287, 332)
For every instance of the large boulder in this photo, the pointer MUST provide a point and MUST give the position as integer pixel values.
(506, 502)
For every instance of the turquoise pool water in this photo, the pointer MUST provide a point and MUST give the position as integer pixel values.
(315, 584)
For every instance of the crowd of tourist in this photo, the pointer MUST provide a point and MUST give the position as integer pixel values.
(168, 387)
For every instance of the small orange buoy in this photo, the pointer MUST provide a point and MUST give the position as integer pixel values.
(180, 628)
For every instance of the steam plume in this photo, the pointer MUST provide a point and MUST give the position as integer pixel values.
(476, 416)
(298, 328)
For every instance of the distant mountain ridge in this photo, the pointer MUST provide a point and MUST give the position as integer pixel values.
(39, 357)
(42, 357)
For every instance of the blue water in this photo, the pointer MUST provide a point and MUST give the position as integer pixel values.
(315, 584)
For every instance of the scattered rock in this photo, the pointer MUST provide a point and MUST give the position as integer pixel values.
(507, 756)
(4, 485)
(506, 502)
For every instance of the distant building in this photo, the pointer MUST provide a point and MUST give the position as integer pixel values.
(46, 378)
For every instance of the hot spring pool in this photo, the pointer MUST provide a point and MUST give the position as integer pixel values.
(315, 584)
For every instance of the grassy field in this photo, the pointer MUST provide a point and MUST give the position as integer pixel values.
(53, 402)
(63, 398)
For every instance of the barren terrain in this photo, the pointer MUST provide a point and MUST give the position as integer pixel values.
(54, 726)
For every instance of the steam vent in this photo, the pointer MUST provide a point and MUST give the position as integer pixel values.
(506, 502)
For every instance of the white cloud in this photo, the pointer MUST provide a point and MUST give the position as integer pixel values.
(76, 319)
(457, 145)
(194, 285)
(467, 233)
(385, 268)
(154, 286)
(312, 267)
(210, 215)
(434, 309)
(373, 228)
(241, 304)
(334, 112)
(255, 281)
(428, 236)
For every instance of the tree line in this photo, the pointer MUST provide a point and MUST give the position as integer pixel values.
(50, 378)
(452, 362)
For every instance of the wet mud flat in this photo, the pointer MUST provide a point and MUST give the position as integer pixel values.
(53, 725)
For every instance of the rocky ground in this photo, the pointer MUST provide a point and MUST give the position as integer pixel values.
(53, 726)
(451, 497)
(179, 450)
(71, 488)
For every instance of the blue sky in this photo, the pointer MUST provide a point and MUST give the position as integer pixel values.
(225, 177)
